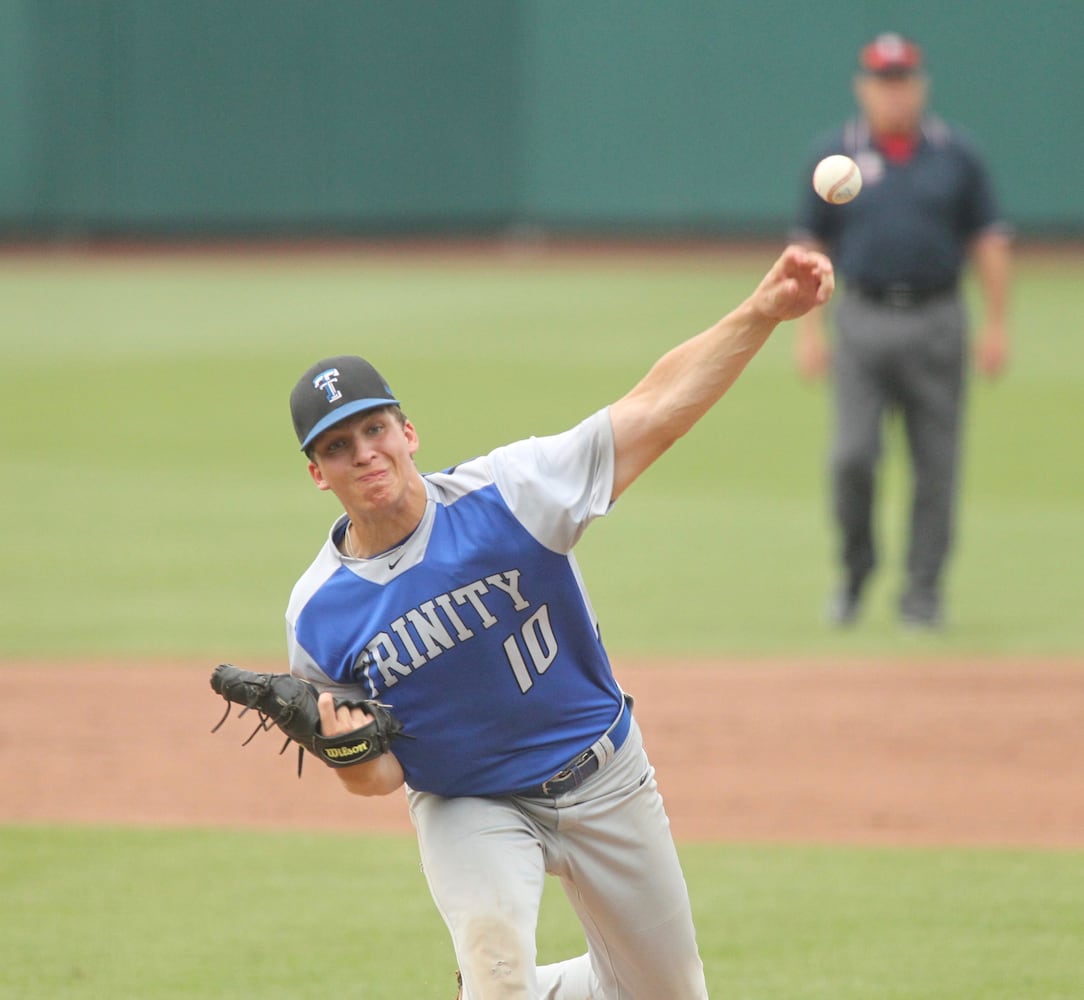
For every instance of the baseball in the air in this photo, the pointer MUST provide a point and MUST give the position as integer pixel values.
(837, 179)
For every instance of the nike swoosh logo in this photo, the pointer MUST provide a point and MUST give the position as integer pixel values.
(392, 565)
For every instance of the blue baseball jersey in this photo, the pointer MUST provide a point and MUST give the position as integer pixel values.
(477, 629)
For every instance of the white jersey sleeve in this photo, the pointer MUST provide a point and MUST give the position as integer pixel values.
(555, 485)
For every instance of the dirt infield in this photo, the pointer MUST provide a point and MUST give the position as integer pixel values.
(935, 753)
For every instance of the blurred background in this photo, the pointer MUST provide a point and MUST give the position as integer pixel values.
(286, 117)
(198, 199)
(513, 207)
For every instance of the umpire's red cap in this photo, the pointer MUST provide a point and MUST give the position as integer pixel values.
(890, 55)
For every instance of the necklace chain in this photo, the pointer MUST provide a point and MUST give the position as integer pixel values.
(348, 544)
(351, 552)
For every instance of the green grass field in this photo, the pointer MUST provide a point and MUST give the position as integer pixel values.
(156, 502)
(156, 507)
(166, 915)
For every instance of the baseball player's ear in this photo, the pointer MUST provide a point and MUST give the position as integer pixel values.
(318, 477)
(411, 434)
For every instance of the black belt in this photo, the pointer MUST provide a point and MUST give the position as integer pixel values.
(900, 296)
(581, 767)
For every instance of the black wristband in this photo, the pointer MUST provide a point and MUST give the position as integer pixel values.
(351, 748)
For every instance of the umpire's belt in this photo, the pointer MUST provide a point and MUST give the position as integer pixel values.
(581, 767)
(900, 296)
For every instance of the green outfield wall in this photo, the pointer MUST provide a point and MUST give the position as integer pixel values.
(270, 116)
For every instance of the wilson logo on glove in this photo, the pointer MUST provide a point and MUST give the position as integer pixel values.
(341, 753)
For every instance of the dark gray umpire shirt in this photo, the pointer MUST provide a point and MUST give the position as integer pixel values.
(909, 228)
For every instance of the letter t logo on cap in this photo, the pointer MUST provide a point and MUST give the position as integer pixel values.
(326, 381)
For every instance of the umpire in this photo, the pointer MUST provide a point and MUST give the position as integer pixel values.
(926, 206)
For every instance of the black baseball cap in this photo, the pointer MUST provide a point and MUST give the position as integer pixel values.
(332, 390)
(890, 54)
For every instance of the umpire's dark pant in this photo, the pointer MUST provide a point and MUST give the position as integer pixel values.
(908, 358)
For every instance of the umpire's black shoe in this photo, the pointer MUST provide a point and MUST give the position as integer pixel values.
(845, 603)
(921, 613)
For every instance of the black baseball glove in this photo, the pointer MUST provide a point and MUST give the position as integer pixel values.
(292, 705)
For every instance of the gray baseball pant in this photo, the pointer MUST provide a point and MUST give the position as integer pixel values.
(609, 842)
(908, 359)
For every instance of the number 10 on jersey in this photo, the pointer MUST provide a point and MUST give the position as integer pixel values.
(533, 650)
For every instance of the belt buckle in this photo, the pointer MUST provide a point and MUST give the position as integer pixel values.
(900, 297)
(566, 773)
(558, 777)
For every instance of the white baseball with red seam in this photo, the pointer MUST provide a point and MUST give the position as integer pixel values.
(837, 179)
